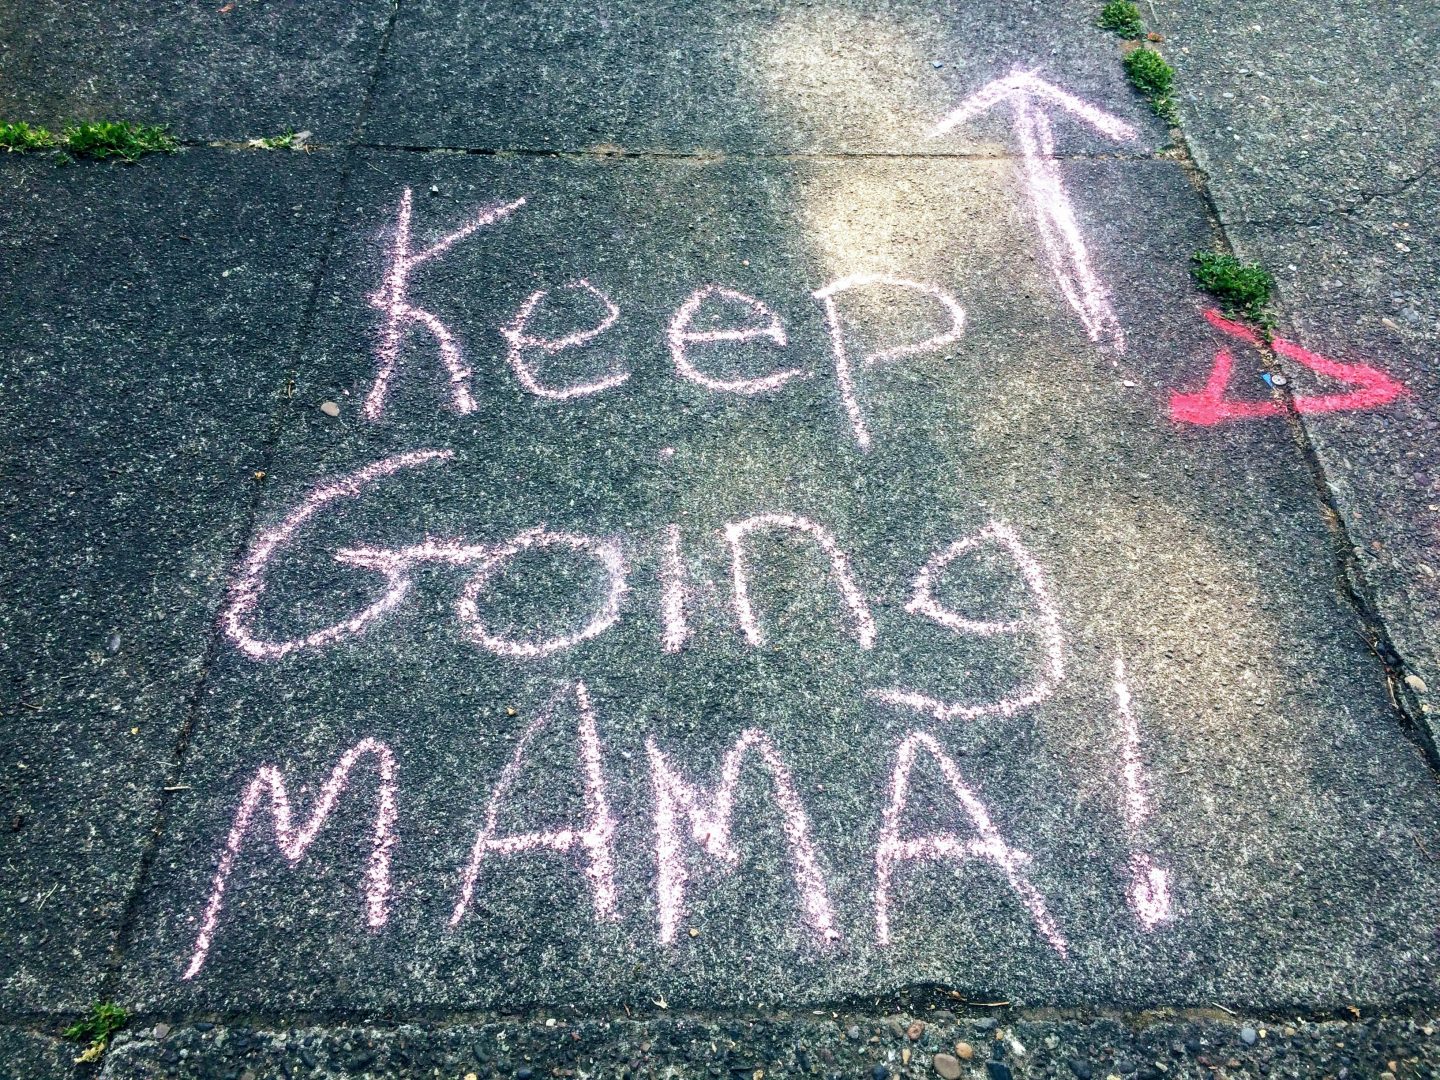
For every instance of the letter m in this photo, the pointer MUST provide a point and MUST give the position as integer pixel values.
(293, 842)
(709, 819)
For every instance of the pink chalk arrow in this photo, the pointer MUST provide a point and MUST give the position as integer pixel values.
(1371, 386)
(1069, 258)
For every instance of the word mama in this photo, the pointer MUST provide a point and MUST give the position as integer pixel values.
(686, 815)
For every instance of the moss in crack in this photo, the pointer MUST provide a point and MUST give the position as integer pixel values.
(1152, 75)
(1242, 288)
(96, 1028)
(20, 137)
(1122, 17)
(90, 139)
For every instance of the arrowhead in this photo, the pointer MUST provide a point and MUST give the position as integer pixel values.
(1022, 85)
(1210, 406)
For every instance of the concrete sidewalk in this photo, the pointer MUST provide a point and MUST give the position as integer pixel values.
(634, 553)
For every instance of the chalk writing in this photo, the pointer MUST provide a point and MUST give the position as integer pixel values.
(393, 299)
(986, 844)
(1210, 405)
(1046, 620)
(672, 593)
(735, 534)
(519, 341)
(606, 552)
(845, 368)
(250, 581)
(293, 844)
(1149, 885)
(680, 337)
(1054, 212)
(597, 837)
(710, 820)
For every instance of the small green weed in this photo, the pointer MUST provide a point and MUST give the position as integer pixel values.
(1123, 18)
(1242, 287)
(22, 137)
(105, 1020)
(1154, 77)
(275, 142)
(117, 138)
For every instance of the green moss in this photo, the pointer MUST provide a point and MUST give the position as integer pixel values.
(1240, 286)
(116, 138)
(104, 1020)
(1154, 77)
(1149, 72)
(1123, 18)
(22, 137)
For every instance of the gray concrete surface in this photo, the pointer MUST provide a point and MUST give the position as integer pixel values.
(149, 327)
(1274, 778)
(1316, 125)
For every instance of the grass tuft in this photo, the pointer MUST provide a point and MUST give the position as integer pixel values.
(1152, 75)
(117, 138)
(1240, 286)
(1123, 18)
(21, 137)
(105, 1020)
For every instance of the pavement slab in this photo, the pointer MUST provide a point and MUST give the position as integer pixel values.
(736, 76)
(1315, 127)
(148, 332)
(227, 71)
(1262, 723)
(642, 549)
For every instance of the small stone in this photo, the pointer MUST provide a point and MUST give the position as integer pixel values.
(1416, 683)
(964, 1051)
(471, 1076)
(1248, 1035)
(998, 1070)
(1052, 1041)
(694, 932)
(161, 1030)
(853, 1033)
(523, 1073)
(879, 1072)
(550, 1021)
(897, 1029)
(112, 645)
(329, 408)
(915, 1030)
(987, 1023)
(1081, 1068)
(946, 1066)
(905, 1056)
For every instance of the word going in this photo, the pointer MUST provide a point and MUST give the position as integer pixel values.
(755, 322)
(490, 560)
(685, 813)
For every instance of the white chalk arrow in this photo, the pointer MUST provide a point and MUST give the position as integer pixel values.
(1069, 258)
